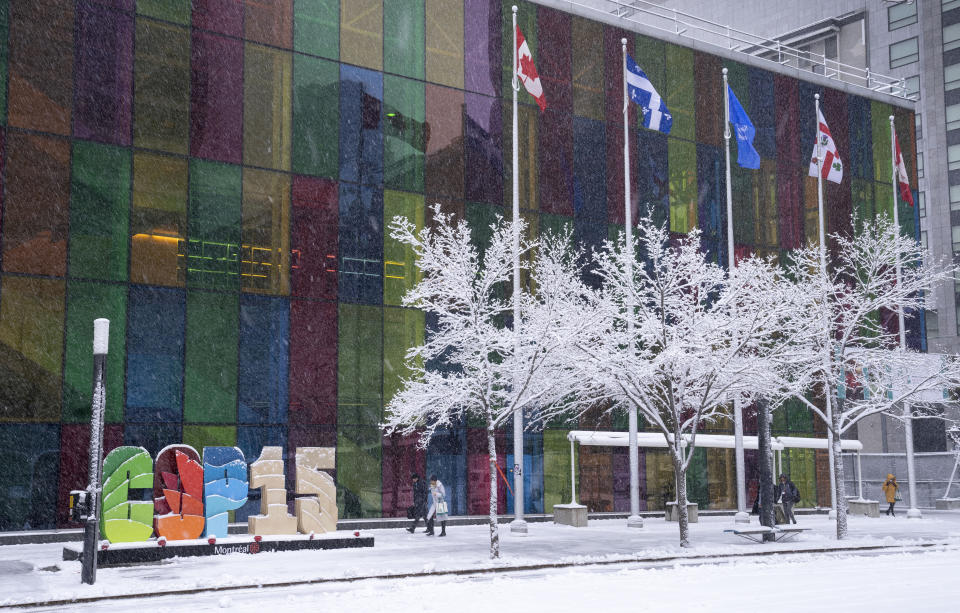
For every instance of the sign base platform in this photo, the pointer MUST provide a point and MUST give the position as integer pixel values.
(125, 554)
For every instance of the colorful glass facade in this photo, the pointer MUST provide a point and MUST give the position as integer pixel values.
(215, 177)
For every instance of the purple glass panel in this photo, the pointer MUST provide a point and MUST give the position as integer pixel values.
(613, 81)
(216, 98)
(483, 131)
(481, 42)
(401, 457)
(314, 238)
(556, 162)
(553, 58)
(126, 5)
(834, 108)
(223, 16)
(787, 135)
(313, 362)
(104, 74)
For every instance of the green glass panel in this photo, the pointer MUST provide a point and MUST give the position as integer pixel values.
(698, 489)
(399, 271)
(358, 472)
(402, 329)
(316, 27)
(799, 418)
(267, 107)
(359, 364)
(99, 211)
(766, 217)
(199, 437)
(169, 10)
(721, 479)
(555, 224)
(31, 348)
(682, 162)
(214, 222)
(738, 76)
(161, 99)
(403, 44)
(661, 483)
(87, 301)
(316, 122)
(744, 205)
(4, 58)
(556, 469)
(800, 466)
(880, 123)
(527, 22)
(864, 206)
(648, 53)
(404, 133)
(680, 91)
(210, 392)
(528, 168)
(588, 68)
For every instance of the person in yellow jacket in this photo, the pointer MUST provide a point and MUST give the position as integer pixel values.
(891, 490)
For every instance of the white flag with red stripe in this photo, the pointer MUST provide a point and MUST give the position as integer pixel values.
(826, 150)
(903, 179)
(527, 72)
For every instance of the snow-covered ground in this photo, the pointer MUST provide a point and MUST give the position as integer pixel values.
(650, 572)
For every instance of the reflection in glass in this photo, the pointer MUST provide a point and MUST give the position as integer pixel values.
(158, 220)
(161, 100)
(267, 90)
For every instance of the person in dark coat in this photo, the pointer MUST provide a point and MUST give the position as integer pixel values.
(420, 495)
(787, 494)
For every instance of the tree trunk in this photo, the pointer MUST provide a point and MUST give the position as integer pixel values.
(841, 494)
(681, 475)
(494, 529)
(765, 451)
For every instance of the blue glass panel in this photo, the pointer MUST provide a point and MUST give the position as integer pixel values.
(763, 113)
(653, 180)
(447, 459)
(152, 437)
(264, 359)
(807, 118)
(361, 126)
(155, 338)
(30, 457)
(861, 137)
(589, 184)
(712, 202)
(361, 244)
(532, 472)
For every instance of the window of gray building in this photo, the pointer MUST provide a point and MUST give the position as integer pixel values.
(946, 5)
(923, 240)
(920, 164)
(933, 323)
(912, 87)
(905, 52)
(955, 197)
(900, 15)
(953, 157)
(955, 235)
(918, 124)
(951, 37)
(922, 204)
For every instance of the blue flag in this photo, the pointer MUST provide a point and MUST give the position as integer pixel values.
(747, 156)
(655, 113)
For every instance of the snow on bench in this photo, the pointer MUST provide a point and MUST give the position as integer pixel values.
(780, 533)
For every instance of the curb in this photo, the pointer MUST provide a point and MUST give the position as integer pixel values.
(473, 571)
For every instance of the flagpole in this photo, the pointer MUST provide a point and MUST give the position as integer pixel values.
(518, 525)
(823, 266)
(634, 521)
(913, 512)
(741, 516)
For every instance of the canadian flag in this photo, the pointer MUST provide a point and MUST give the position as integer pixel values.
(903, 179)
(527, 72)
(832, 167)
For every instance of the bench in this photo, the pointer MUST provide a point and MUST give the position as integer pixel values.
(752, 534)
(787, 533)
(780, 533)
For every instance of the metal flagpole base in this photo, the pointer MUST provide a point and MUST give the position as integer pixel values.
(634, 521)
(914, 514)
(741, 517)
(518, 526)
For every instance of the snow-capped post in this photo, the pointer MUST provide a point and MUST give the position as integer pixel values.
(101, 336)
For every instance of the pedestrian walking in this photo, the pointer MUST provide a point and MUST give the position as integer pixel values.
(438, 507)
(787, 494)
(421, 495)
(892, 491)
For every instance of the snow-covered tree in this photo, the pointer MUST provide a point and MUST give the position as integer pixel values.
(688, 345)
(493, 371)
(852, 360)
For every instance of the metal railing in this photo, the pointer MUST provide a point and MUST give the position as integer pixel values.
(665, 19)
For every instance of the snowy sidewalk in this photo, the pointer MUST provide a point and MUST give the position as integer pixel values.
(36, 573)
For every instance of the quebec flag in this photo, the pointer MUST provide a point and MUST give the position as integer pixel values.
(747, 156)
(655, 113)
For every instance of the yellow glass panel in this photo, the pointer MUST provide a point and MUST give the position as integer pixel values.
(265, 246)
(267, 118)
(445, 42)
(361, 33)
(158, 222)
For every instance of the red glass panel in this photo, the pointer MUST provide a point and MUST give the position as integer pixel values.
(556, 162)
(216, 97)
(787, 126)
(839, 197)
(104, 75)
(270, 23)
(313, 362)
(709, 98)
(553, 58)
(314, 238)
(75, 463)
(613, 77)
(478, 472)
(445, 151)
(401, 457)
(790, 204)
(223, 16)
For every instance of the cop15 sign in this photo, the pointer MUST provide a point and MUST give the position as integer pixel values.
(192, 495)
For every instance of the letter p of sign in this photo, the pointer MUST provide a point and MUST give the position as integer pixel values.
(316, 513)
